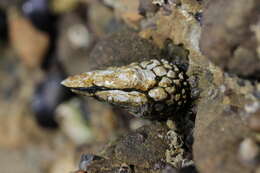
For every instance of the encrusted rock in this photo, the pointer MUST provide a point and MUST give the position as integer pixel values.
(152, 148)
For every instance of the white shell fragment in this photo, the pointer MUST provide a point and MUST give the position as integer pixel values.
(175, 68)
(158, 94)
(159, 71)
(153, 64)
(146, 89)
(168, 66)
(165, 82)
(144, 64)
(181, 76)
(170, 90)
(171, 74)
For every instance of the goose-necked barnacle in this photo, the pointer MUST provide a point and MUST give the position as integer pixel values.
(152, 89)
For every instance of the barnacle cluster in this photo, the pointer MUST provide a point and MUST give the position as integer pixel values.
(175, 154)
(151, 89)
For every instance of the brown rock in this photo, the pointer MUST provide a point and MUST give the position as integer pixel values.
(143, 149)
(121, 48)
(127, 10)
(229, 36)
(219, 125)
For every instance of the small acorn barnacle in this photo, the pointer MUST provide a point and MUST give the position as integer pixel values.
(152, 89)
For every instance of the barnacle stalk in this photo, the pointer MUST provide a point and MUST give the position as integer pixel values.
(150, 89)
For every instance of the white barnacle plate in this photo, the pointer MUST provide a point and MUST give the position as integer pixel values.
(160, 71)
(154, 63)
(171, 74)
(144, 63)
(165, 82)
(119, 97)
(158, 94)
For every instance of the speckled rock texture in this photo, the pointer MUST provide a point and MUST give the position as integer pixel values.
(141, 151)
(121, 48)
(230, 38)
(225, 102)
(221, 124)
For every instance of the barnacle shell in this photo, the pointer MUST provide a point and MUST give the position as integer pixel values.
(158, 94)
(132, 98)
(165, 82)
(126, 77)
(171, 74)
(160, 71)
(150, 89)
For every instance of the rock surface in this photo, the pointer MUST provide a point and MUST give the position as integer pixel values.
(140, 151)
(231, 38)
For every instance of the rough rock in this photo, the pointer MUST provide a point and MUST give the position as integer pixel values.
(220, 122)
(230, 38)
(142, 151)
(220, 125)
(121, 48)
